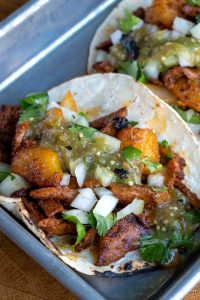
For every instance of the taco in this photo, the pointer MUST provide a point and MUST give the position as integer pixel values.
(158, 43)
(106, 175)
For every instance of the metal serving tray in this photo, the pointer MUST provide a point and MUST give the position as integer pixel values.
(43, 44)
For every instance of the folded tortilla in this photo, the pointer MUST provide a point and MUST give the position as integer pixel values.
(109, 25)
(98, 95)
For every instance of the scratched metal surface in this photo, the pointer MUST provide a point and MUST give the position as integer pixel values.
(45, 43)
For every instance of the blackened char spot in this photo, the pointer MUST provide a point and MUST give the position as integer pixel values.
(128, 266)
(122, 173)
(130, 47)
(120, 123)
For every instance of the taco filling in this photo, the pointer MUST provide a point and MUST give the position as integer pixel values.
(159, 45)
(106, 182)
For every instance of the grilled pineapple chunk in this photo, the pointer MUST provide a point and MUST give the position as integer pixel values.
(38, 165)
(142, 139)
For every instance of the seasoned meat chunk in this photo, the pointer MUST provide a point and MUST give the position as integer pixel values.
(53, 226)
(38, 165)
(105, 46)
(140, 13)
(117, 124)
(184, 83)
(174, 170)
(8, 119)
(193, 199)
(126, 194)
(163, 13)
(87, 240)
(19, 194)
(91, 183)
(108, 119)
(63, 194)
(103, 67)
(50, 207)
(20, 132)
(119, 240)
(142, 139)
(33, 210)
(147, 217)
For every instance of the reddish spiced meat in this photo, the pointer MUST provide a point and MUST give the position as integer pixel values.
(104, 67)
(119, 240)
(87, 240)
(8, 119)
(126, 194)
(63, 194)
(53, 226)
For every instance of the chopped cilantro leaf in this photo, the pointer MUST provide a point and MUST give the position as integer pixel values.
(194, 119)
(155, 250)
(34, 107)
(194, 2)
(197, 18)
(152, 166)
(92, 219)
(3, 175)
(178, 234)
(82, 114)
(193, 216)
(130, 153)
(12, 177)
(180, 241)
(164, 144)
(87, 132)
(81, 232)
(104, 223)
(133, 69)
(128, 22)
(133, 123)
(5, 171)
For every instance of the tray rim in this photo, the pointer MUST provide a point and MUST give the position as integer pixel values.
(175, 290)
(22, 236)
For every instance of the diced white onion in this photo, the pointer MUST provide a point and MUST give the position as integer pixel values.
(175, 35)
(151, 28)
(101, 56)
(151, 70)
(189, 113)
(81, 215)
(52, 104)
(105, 205)
(80, 173)
(116, 36)
(73, 164)
(88, 193)
(182, 25)
(68, 114)
(65, 180)
(195, 31)
(136, 208)
(185, 61)
(155, 180)
(109, 143)
(85, 200)
(103, 175)
(101, 191)
(10, 185)
(81, 120)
